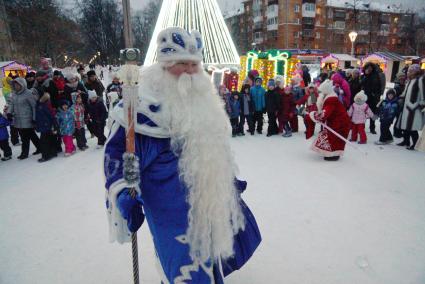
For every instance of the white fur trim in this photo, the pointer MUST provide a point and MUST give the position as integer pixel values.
(325, 153)
(326, 87)
(312, 114)
(145, 101)
(118, 230)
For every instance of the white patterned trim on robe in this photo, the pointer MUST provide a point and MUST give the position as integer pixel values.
(118, 230)
(194, 267)
(322, 146)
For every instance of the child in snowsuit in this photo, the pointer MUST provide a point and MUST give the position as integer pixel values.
(235, 112)
(247, 109)
(66, 121)
(359, 112)
(272, 106)
(387, 112)
(97, 116)
(286, 112)
(257, 94)
(80, 134)
(310, 101)
(45, 122)
(4, 138)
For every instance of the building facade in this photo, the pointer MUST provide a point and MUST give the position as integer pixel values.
(322, 24)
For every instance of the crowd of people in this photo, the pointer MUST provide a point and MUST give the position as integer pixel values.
(60, 107)
(362, 92)
(56, 106)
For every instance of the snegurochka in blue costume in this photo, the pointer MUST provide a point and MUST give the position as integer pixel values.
(188, 191)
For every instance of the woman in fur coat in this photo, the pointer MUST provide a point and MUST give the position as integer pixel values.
(332, 113)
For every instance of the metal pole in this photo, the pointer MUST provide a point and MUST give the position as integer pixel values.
(352, 48)
(127, 20)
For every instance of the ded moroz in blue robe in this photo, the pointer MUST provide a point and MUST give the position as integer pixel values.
(164, 201)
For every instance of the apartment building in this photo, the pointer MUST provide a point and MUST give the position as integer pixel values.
(322, 24)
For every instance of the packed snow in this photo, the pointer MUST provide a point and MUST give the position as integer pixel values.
(358, 220)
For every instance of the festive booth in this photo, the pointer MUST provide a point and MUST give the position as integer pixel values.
(390, 63)
(14, 68)
(423, 64)
(225, 76)
(268, 64)
(335, 61)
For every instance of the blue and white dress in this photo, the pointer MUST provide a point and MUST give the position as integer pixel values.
(164, 196)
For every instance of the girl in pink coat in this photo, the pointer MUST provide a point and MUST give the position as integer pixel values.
(359, 112)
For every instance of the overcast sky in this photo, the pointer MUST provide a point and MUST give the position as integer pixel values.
(231, 4)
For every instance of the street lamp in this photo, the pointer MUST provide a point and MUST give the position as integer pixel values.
(353, 36)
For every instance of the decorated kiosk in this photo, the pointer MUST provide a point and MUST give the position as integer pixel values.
(390, 63)
(423, 63)
(335, 61)
(14, 68)
(268, 64)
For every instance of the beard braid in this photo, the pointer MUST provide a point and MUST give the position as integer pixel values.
(199, 131)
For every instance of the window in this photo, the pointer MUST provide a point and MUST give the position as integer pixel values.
(258, 35)
(316, 46)
(297, 21)
(272, 21)
(339, 25)
(319, 11)
(393, 41)
(396, 20)
(310, 7)
(330, 14)
(296, 45)
(317, 35)
(395, 30)
(297, 8)
(296, 34)
(318, 23)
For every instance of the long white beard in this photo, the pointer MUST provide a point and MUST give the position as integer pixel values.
(199, 131)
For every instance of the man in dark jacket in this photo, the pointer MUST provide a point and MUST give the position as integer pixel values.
(94, 84)
(355, 84)
(97, 115)
(371, 84)
(272, 106)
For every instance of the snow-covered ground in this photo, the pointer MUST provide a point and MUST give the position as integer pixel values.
(359, 220)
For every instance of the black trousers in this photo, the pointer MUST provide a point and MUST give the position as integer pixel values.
(80, 136)
(258, 120)
(99, 129)
(4, 146)
(372, 101)
(385, 131)
(28, 134)
(409, 133)
(14, 135)
(272, 129)
(48, 145)
(235, 125)
(248, 119)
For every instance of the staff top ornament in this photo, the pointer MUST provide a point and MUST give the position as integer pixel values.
(178, 44)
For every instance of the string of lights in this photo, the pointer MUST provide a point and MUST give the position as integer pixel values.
(204, 16)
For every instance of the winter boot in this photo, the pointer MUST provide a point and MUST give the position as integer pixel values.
(334, 158)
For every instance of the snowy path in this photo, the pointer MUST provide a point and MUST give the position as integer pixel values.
(360, 220)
